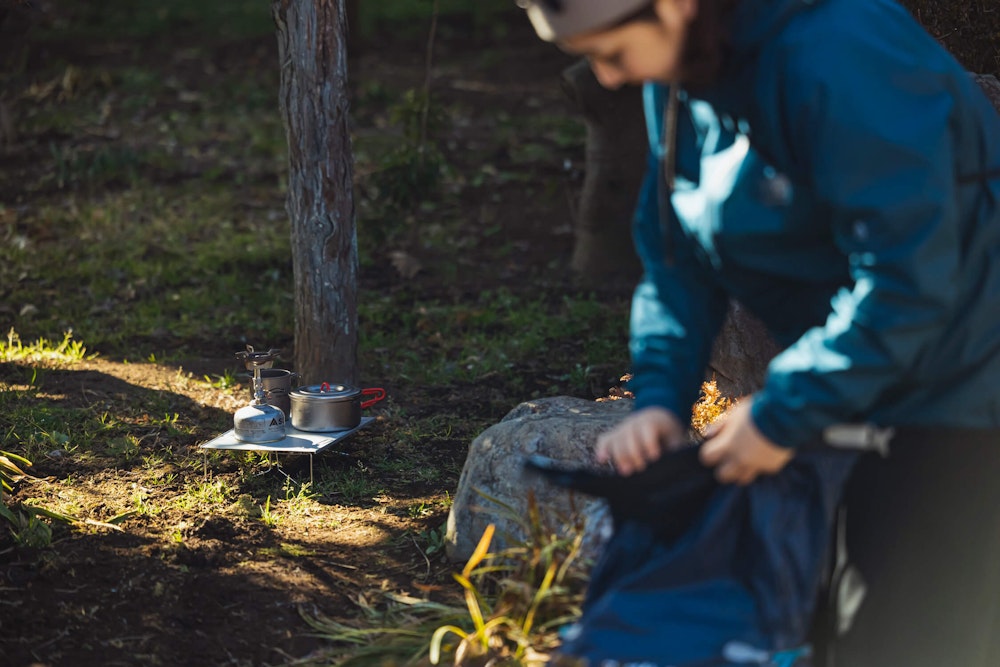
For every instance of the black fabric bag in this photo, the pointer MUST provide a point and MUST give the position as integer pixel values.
(698, 574)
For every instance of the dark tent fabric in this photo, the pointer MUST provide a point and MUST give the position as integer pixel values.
(698, 574)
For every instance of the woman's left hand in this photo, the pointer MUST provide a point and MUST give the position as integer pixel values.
(738, 451)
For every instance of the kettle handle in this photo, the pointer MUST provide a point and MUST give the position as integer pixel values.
(377, 393)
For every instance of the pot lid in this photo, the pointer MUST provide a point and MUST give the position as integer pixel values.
(326, 392)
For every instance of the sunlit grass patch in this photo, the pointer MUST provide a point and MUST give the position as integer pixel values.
(202, 494)
(42, 351)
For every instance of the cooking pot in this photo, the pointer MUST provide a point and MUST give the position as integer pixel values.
(277, 384)
(325, 407)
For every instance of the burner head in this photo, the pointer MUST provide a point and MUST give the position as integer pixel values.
(253, 360)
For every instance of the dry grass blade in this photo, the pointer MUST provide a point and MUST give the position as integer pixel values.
(480, 552)
(473, 599)
(540, 595)
(400, 636)
(10, 470)
(439, 635)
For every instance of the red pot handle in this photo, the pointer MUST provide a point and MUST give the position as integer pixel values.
(378, 393)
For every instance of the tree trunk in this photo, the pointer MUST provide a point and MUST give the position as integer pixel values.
(312, 48)
(616, 162)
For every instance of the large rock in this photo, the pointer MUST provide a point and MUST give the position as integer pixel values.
(562, 428)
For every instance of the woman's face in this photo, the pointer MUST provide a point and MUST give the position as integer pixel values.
(638, 51)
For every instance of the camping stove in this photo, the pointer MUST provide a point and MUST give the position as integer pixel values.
(258, 422)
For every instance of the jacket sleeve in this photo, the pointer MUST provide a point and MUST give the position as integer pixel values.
(677, 309)
(867, 127)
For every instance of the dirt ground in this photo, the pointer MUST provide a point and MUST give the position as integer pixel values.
(228, 590)
(182, 588)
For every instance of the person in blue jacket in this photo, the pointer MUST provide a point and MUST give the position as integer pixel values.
(830, 166)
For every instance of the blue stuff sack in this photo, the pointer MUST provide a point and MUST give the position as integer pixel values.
(700, 574)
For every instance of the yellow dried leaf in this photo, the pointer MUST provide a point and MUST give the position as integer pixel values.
(712, 405)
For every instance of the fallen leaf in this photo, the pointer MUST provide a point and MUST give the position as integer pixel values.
(406, 264)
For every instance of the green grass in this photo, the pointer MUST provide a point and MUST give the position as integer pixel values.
(175, 191)
(349, 486)
(37, 424)
(490, 333)
(184, 20)
(177, 19)
(201, 264)
(412, 17)
(172, 265)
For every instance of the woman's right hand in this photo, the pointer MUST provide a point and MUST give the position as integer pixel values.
(640, 439)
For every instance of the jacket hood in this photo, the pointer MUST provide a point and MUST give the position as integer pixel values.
(754, 22)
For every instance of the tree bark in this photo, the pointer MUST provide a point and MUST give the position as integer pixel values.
(615, 164)
(312, 48)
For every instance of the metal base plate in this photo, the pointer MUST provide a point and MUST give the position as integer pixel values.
(294, 442)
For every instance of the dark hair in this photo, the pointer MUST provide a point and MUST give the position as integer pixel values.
(706, 46)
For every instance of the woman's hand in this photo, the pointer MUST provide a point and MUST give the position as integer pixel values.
(738, 451)
(639, 440)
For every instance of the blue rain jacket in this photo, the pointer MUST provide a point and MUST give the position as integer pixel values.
(842, 181)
